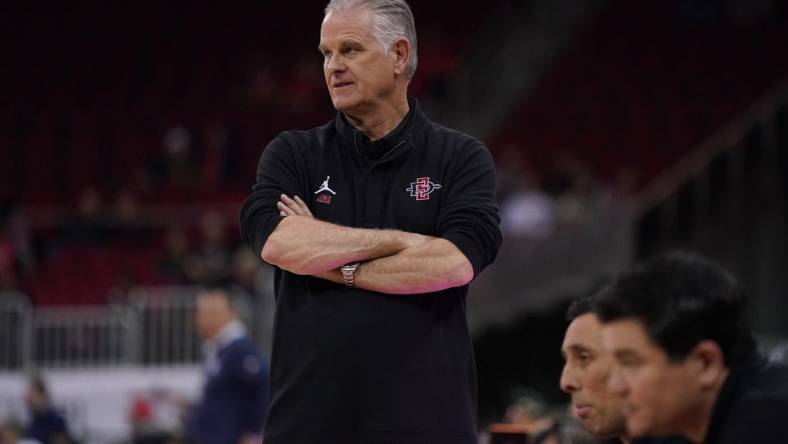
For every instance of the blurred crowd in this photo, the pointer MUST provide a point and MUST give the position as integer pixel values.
(537, 203)
(199, 244)
(201, 253)
(183, 243)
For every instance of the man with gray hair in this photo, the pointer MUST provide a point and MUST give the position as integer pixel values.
(376, 222)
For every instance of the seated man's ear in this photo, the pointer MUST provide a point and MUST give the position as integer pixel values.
(708, 363)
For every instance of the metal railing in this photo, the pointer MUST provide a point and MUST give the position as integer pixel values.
(165, 317)
(14, 330)
(154, 326)
(80, 336)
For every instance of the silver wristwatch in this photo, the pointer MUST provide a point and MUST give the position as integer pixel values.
(349, 273)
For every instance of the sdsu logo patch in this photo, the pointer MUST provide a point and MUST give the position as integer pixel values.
(422, 188)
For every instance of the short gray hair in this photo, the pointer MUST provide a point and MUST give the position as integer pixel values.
(393, 21)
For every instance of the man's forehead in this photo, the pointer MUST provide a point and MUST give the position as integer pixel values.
(585, 326)
(584, 332)
(353, 21)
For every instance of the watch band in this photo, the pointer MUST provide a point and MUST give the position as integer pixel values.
(349, 274)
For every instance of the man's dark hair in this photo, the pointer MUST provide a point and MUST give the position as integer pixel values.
(682, 299)
(579, 307)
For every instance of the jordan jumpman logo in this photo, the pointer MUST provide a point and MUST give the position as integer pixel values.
(324, 186)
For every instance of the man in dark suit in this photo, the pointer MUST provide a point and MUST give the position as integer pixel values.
(234, 399)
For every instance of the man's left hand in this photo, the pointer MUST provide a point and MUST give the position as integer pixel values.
(293, 207)
(297, 207)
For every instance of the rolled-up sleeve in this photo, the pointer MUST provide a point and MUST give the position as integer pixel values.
(277, 174)
(469, 218)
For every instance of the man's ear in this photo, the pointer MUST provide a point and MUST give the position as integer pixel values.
(402, 52)
(708, 363)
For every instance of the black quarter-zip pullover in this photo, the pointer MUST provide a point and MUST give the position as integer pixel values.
(356, 366)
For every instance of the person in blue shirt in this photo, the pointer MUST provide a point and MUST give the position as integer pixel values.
(46, 425)
(234, 397)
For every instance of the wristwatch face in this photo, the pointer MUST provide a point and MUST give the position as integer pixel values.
(349, 268)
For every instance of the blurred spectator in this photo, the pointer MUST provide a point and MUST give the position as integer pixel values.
(125, 281)
(234, 399)
(155, 417)
(176, 252)
(143, 427)
(511, 167)
(127, 222)
(246, 272)
(210, 263)
(529, 411)
(89, 226)
(17, 228)
(223, 154)
(178, 169)
(573, 185)
(527, 419)
(8, 275)
(566, 430)
(11, 433)
(528, 212)
(254, 277)
(567, 173)
(779, 354)
(47, 425)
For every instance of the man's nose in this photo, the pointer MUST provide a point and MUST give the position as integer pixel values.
(335, 63)
(568, 381)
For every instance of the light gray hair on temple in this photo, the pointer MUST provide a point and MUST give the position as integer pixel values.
(393, 21)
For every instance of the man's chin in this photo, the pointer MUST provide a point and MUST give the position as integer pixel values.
(591, 427)
(344, 104)
(595, 428)
(637, 428)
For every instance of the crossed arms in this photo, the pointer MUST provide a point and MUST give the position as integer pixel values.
(284, 232)
(394, 262)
